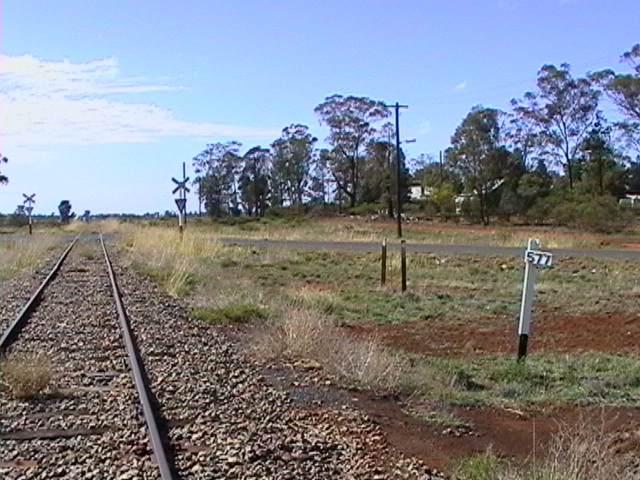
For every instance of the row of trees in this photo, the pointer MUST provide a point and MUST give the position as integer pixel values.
(293, 170)
(554, 146)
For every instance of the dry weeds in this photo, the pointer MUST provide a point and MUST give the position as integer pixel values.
(23, 255)
(26, 375)
(306, 334)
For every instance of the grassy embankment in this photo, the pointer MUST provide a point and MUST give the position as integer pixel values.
(23, 255)
(304, 304)
(325, 291)
(358, 229)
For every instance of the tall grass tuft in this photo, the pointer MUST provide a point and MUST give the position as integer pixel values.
(23, 255)
(26, 375)
(172, 259)
(584, 452)
(307, 334)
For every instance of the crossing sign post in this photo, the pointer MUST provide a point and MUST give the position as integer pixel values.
(181, 202)
(533, 259)
(29, 200)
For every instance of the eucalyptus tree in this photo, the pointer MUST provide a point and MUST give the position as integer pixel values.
(377, 182)
(478, 154)
(624, 90)
(217, 173)
(562, 110)
(320, 176)
(293, 156)
(602, 170)
(254, 180)
(351, 124)
(64, 208)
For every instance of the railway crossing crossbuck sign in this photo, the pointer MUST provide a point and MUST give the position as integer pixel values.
(181, 186)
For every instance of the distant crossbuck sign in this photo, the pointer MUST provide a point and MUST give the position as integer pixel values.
(181, 185)
(539, 258)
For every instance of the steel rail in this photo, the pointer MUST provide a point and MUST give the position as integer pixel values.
(167, 470)
(14, 329)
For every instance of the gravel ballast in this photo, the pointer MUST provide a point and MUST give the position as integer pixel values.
(224, 415)
(76, 329)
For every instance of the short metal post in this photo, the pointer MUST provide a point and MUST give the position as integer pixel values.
(403, 264)
(383, 271)
(30, 227)
(524, 325)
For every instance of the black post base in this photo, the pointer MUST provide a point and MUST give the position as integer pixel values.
(522, 346)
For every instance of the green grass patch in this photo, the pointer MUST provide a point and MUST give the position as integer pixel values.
(479, 466)
(543, 380)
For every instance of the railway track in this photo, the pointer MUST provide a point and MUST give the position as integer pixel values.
(222, 416)
(96, 421)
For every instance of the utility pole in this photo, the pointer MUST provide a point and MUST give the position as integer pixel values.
(199, 197)
(184, 193)
(397, 106)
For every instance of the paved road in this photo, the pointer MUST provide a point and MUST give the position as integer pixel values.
(433, 248)
(394, 246)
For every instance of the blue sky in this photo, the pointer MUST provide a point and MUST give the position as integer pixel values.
(102, 100)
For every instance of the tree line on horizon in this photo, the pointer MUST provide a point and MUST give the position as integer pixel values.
(553, 156)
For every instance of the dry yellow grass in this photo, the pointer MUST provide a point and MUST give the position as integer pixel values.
(24, 255)
(361, 230)
(305, 334)
(167, 255)
(26, 375)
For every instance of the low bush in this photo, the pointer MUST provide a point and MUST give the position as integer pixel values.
(27, 375)
(593, 213)
(303, 333)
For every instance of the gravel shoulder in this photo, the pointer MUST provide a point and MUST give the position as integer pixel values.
(228, 418)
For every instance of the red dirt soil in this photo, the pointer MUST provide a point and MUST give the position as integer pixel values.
(510, 434)
(611, 332)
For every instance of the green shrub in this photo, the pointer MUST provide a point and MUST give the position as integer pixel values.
(233, 313)
(579, 210)
(479, 466)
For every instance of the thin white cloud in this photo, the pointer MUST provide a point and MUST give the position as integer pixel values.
(461, 86)
(425, 127)
(65, 103)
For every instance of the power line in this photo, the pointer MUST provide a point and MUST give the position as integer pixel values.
(462, 95)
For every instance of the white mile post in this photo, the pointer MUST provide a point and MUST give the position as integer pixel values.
(533, 258)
